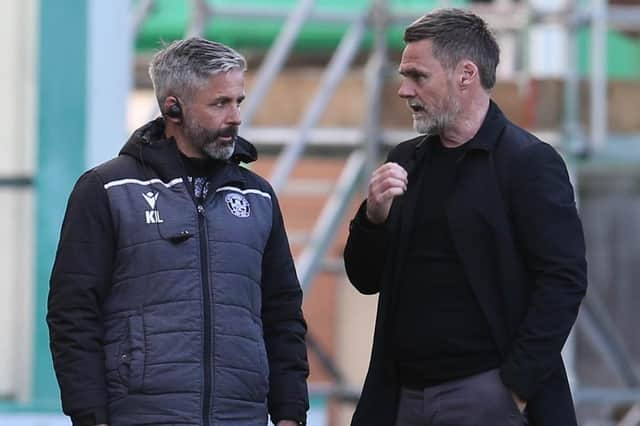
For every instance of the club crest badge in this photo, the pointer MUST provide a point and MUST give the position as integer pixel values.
(237, 204)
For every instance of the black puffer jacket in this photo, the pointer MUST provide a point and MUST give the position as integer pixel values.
(163, 310)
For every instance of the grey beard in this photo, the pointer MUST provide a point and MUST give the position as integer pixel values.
(218, 152)
(432, 126)
(435, 125)
(207, 142)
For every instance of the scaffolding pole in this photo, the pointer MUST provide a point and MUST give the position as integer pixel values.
(604, 335)
(334, 74)
(200, 14)
(598, 111)
(375, 77)
(276, 58)
(139, 15)
(330, 217)
(572, 129)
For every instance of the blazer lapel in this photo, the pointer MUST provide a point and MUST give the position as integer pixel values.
(405, 208)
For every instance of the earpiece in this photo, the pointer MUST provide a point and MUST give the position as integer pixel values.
(174, 111)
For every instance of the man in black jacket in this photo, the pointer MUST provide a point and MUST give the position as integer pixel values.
(174, 298)
(471, 237)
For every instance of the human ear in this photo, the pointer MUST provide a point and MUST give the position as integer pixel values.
(467, 73)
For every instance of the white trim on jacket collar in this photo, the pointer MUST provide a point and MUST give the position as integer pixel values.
(142, 182)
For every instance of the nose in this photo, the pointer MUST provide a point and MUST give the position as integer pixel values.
(406, 90)
(233, 118)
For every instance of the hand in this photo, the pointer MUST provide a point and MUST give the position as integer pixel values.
(387, 182)
(287, 423)
(519, 403)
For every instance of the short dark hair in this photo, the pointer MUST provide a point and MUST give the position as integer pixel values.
(458, 34)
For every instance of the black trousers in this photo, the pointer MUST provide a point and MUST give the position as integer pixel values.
(478, 400)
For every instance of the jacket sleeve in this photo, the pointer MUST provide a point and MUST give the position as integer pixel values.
(549, 233)
(80, 279)
(365, 252)
(284, 327)
(366, 249)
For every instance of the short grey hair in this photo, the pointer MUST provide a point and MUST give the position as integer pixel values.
(182, 67)
(458, 34)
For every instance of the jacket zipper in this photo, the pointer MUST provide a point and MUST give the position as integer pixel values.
(207, 357)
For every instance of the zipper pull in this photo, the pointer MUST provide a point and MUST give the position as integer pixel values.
(200, 209)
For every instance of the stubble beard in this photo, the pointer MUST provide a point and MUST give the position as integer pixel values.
(208, 141)
(434, 122)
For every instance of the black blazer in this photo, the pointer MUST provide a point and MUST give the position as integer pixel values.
(513, 220)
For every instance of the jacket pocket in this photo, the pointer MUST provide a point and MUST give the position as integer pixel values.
(116, 369)
(136, 353)
(116, 353)
(124, 356)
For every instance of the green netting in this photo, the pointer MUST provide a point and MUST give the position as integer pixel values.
(623, 55)
(169, 19)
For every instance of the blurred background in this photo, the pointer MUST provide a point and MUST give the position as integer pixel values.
(323, 111)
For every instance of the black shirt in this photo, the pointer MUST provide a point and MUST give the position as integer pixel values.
(200, 167)
(440, 332)
(199, 171)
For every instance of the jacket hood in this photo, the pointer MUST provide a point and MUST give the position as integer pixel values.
(149, 145)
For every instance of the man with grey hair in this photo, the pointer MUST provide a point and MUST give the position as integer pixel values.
(471, 238)
(174, 298)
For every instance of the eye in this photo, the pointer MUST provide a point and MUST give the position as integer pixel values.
(418, 78)
(415, 76)
(219, 104)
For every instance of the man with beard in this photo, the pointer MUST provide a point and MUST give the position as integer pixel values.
(471, 238)
(174, 298)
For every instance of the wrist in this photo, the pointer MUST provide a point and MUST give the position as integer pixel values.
(368, 220)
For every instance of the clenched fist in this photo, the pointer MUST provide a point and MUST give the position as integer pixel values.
(387, 182)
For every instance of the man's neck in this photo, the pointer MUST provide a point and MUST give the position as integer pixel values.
(174, 131)
(467, 123)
